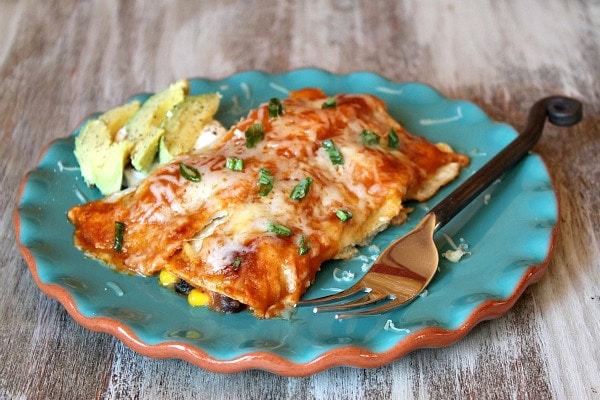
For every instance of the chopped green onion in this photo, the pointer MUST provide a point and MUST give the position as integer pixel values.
(265, 181)
(189, 173)
(275, 107)
(334, 153)
(393, 139)
(280, 230)
(343, 215)
(303, 245)
(237, 262)
(301, 189)
(254, 134)
(119, 234)
(368, 137)
(234, 164)
(329, 103)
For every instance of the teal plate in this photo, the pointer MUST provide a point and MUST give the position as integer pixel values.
(509, 231)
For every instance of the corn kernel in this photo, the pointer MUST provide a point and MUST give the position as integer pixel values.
(197, 298)
(167, 279)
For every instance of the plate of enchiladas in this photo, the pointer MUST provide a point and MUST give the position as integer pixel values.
(188, 223)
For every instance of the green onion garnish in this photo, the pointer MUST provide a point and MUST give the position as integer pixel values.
(275, 107)
(301, 189)
(303, 245)
(329, 103)
(254, 134)
(280, 230)
(368, 137)
(189, 173)
(334, 153)
(119, 234)
(393, 139)
(343, 215)
(237, 262)
(265, 181)
(234, 164)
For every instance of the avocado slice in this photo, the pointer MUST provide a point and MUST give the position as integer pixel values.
(144, 150)
(184, 124)
(116, 118)
(100, 155)
(143, 129)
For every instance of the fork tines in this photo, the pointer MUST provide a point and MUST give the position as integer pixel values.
(356, 301)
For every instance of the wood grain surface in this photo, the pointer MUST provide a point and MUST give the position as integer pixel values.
(62, 60)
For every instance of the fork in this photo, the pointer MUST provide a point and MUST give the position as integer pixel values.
(405, 268)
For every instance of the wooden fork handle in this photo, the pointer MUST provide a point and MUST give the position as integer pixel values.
(560, 111)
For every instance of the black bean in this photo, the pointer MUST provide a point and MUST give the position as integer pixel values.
(182, 287)
(226, 304)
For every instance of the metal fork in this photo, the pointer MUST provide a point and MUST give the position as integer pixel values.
(408, 264)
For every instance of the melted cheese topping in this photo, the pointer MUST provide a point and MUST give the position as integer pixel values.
(216, 233)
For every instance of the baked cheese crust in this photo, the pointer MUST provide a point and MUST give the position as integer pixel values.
(223, 234)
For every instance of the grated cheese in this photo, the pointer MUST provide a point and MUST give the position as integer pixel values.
(62, 168)
(80, 196)
(342, 276)
(457, 253)
(209, 134)
(389, 326)
(374, 249)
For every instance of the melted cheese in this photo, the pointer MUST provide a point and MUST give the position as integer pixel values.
(215, 233)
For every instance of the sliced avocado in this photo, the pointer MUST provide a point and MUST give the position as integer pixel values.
(147, 147)
(140, 128)
(117, 117)
(100, 156)
(184, 124)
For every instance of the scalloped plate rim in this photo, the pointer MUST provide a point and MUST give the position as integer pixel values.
(350, 355)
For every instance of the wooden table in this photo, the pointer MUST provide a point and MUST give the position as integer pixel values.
(62, 60)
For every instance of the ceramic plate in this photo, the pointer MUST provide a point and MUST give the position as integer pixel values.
(509, 231)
